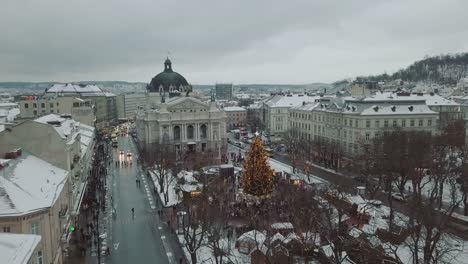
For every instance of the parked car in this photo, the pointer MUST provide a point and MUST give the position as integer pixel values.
(399, 197)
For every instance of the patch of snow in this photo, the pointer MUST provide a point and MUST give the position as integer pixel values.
(17, 248)
(30, 184)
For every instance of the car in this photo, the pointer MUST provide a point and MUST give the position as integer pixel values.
(399, 197)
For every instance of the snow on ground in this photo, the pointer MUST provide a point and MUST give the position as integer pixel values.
(173, 196)
(428, 185)
(206, 255)
(17, 248)
(29, 184)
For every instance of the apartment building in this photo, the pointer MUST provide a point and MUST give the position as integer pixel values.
(104, 102)
(34, 197)
(350, 121)
(59, 140)
(82, 110)
(20, 248)
(236, 117)
(128, 104)
(275, 111)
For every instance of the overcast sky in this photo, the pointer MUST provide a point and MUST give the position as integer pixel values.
(241, 41)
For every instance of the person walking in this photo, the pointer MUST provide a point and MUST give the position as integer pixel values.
(133, 212)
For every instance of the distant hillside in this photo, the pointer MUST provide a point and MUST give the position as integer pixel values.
(443, 69)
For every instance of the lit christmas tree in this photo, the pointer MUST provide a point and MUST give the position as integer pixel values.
(257, 178)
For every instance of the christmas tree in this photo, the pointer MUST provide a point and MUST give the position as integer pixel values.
(257, 179)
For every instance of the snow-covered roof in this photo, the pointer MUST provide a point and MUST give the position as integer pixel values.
(8, 105)
(29, 184)
(253, 235)
(17, 248)
(430, 99)
(187, 176)
(277, 237)
(75, 88)
(290, 100)
(397, 110)
(284, 225)
(67, 126)
(234, 109)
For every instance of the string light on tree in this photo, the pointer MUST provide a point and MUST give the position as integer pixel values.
(257, 179)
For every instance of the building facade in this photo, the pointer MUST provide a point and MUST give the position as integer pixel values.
(81, 110)
(236, 117)
(35, 200)
(20, 248)
(186, 123)
(275, 111)
(128, 104)
(60, 141)
(350, 122)
(223, 91)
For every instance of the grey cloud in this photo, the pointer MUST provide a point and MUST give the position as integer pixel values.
(242, 41)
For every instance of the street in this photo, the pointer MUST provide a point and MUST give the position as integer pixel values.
(134, 239)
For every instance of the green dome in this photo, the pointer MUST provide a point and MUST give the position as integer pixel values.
(168, 81)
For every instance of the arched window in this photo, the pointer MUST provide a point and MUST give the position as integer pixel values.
(177, 133)
(190, 132)
(203, 131)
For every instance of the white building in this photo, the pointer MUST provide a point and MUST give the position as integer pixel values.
(128, 104)
(104, 102)
(275, 111)
(186, 123)
(60, 141)
(236, 116)
(351, 121)
(19, 248)
(35, 199)
(82, 110)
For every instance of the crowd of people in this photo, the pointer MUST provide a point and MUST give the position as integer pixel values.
(94, 203)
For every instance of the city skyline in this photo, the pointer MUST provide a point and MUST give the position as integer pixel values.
(305, 41)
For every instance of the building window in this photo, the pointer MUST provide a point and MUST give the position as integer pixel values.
(412, 123)
(385, 124)
(429, 122)
(26, 106)
(368, 123)
(35, 112)
(190, 132)
(6, 229)
(43, 105)
(367, 136)
(35, 228)
(346, 122)
(395, 123)
(40, 259)
(51, 105)
(57, 104)
(203, 131)
(52, 110)
(34, 105)
(403, 123)
(420, 123)
(356, 123)
(76, 104)
(177, 133)
(345, 134)
(377, 123)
